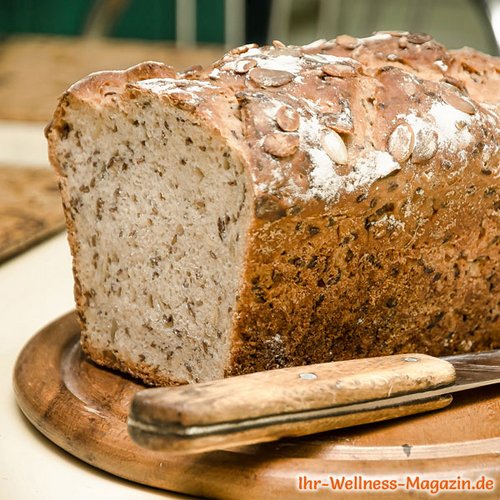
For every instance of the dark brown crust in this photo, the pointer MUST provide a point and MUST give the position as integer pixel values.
(339, 286)
(403, 261)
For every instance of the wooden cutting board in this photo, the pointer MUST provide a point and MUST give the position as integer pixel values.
(30, 208)
(83, 409)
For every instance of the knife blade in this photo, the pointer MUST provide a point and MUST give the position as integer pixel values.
(266, 406)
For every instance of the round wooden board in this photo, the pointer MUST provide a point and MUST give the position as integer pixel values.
(83, 408)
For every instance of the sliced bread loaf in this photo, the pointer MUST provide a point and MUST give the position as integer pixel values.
(288, 205)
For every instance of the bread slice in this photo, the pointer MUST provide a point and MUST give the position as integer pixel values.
(288, 205)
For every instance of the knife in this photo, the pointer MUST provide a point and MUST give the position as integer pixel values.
(269, 405)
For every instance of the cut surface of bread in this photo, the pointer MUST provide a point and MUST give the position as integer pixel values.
(288, 205)
(160, 216)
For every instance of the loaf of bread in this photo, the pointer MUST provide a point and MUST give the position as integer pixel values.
(288, 205)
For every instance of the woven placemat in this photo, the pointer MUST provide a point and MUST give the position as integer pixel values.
(35, 70)
(30, 208)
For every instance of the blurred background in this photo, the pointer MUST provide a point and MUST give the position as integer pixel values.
(232, 22)
(46, 45)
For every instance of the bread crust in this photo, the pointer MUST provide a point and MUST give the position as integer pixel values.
(374, 167)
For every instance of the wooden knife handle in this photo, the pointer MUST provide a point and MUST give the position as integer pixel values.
(195, 418)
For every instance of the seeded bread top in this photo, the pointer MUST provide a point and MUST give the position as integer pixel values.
(332, 117)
